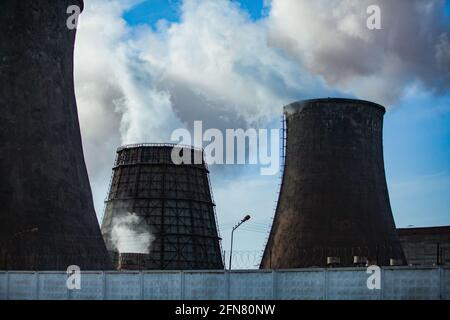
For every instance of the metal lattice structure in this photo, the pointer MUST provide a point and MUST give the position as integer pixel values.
(174, 201)
(333, 201)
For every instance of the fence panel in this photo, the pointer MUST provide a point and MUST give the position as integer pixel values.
(306, 285)
(350, 285)
(446, 283)
(251, 285)
(22, 286)
(52, 286)
(415, 284)
(397, 283)
(205, 286)
(123, 286)
(92, 287)
(162, 285)
(3, 285)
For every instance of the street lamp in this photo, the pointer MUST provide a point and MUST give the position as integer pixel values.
(247, 217)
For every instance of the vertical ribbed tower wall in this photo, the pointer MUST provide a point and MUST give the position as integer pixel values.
(174, 203)
(334, 199)
(47, 218)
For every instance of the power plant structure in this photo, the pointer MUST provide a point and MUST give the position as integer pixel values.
(333, 208)
(170, 202)
(426, 245)
(47, 217)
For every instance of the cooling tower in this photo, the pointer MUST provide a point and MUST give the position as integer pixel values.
(171, 203)
(333, 207)
(47, 218)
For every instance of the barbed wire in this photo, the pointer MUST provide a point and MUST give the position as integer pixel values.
(436, 254)
(260, 226)
(311, 257)
(249, 259)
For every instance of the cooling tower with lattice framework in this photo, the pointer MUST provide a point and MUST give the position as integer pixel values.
(47, 217)
(333, 206)
(171, 202)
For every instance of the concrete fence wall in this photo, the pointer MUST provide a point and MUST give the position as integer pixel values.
(348, 283)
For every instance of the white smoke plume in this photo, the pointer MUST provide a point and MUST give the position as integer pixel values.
(130, 235)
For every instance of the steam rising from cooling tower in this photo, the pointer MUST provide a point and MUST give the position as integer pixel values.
(130, 234)
(47, 218)
(333, 206)
(173, 223)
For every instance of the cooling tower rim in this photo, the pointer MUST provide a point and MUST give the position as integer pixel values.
(157, 145)
(159, 198)
(301, 104)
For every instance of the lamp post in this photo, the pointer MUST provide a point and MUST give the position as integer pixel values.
(247, 217)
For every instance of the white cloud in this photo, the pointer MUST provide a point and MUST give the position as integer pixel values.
(331, 39)
(217, 63)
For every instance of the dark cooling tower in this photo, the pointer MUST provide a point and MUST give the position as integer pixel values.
(47, 218)
(173, 203)
(333, 207)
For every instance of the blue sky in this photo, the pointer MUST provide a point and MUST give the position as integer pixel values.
(150, 11)
(417, 159)
(416, 126)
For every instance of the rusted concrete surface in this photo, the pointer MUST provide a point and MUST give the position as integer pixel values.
(334, 200)
(47, 218)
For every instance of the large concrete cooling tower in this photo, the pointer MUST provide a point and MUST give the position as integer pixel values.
(47, 218)
(334, 205)
(171, 203)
